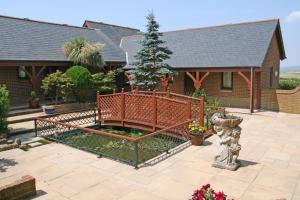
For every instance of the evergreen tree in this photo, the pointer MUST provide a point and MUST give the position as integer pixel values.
(149, 67)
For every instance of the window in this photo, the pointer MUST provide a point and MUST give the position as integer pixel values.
(271, 77)
(226, 82)
(21, 72)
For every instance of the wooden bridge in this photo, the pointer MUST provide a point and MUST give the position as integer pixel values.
(148, 110)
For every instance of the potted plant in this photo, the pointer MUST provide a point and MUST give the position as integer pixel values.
(49, 109)
(196, 133)
(34, 100)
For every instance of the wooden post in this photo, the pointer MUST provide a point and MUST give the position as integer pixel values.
(122, 106)
(257, 97)
(168, 92)
(33, 78)
(189, 110)
(251, 90)
(154, 111)
(99, 107)
(201, 112)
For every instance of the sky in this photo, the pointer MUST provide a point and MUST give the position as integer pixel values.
(171, 14)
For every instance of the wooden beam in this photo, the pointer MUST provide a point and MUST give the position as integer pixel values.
(40, 71)
(205, 75)
(33, 78)
(251, 90)
(191, 76)
(246, 79)
(217, 69)
(197, 81)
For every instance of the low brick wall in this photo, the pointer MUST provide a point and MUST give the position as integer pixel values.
(282, 100)
(20, 189)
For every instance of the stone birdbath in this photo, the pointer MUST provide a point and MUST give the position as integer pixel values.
(228, 131)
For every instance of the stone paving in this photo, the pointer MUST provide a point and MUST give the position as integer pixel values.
(270, 169)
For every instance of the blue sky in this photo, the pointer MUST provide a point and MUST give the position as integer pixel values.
(175, 14)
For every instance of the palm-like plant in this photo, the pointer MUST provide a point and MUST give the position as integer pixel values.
(82, 52)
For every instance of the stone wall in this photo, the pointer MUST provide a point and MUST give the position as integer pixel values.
(20, 189)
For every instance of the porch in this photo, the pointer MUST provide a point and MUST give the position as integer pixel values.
(234, 87)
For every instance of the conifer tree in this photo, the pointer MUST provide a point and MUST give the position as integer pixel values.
(150, 67)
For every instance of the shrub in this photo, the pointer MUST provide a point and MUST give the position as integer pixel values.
(80, 76)
(104, 82)
(4, 107)
(56, 85)
(199, 93)
(82, 82)
(288, 83)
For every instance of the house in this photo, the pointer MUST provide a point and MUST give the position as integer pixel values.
(36, 46)
(235, 63)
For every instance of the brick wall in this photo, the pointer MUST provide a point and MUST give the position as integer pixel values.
(20, 89)
(237, 97)
(282, 100)
(272, 60)
(20, 189)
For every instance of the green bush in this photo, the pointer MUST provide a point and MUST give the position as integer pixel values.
(56, 85)
(80, 76)
(288, 83)
(4, 107)
(199, 93)
(104, 82)
(82, 82)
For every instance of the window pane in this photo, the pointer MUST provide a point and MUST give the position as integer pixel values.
(227, 77)
(21, 73)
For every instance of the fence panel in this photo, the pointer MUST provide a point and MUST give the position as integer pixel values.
(139, 108)
(110, 106)
(170, 112)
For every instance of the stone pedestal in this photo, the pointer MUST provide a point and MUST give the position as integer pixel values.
(228, 131)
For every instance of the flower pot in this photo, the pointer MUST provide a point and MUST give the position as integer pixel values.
(49, 110)
(33, 104)
(197, 139)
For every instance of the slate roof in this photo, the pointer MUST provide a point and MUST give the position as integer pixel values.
(232, 45)
(114, 32)
(23, 39)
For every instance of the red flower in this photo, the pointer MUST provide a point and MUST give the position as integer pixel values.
(201, 194)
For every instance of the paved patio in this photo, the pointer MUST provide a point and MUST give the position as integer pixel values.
(270, 155)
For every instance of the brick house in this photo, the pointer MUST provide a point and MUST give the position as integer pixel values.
(235, 63)
(37, 47)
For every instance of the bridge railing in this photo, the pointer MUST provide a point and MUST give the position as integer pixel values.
(153, 110)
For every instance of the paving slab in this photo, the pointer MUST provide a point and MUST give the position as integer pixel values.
(270, 158)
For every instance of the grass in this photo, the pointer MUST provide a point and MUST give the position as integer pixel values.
(288, 83)
(117, 148)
